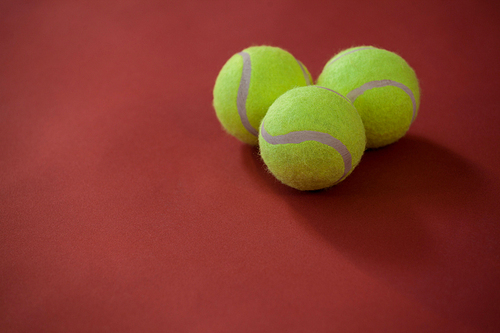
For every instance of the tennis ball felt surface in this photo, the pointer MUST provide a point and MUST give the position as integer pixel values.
(249, 83)
(382, 86)
(311, 138)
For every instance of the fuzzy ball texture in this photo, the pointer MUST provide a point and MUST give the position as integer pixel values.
(311, 138)
(249, 83)
(382, 86)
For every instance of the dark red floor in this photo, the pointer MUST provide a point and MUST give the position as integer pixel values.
(124, 207)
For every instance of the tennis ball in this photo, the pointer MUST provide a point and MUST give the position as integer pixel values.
(249, 83)
(311, 138)
(382, 86)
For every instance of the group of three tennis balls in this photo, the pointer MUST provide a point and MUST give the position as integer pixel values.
(311, 137)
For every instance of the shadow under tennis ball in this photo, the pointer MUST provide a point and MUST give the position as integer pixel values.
(414, 214)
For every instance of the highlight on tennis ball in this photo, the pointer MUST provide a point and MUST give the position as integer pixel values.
(381, 85)
(249, 83)
(311, 138)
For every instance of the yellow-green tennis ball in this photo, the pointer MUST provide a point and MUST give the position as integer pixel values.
(382, 86)
(249, 83)
(311, 138)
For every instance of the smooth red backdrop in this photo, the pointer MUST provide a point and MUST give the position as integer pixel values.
(124, 207)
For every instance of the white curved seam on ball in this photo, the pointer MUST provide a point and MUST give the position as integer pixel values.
(241, 99)
(352, 51)
(347, 99)
(301, 136)
(306, 76)
(384, 83)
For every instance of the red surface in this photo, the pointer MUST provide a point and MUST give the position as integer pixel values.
(125, 208)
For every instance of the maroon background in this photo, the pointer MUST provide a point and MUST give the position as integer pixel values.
(125, 208)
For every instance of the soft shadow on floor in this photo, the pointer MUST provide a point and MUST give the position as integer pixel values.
(417, 216)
